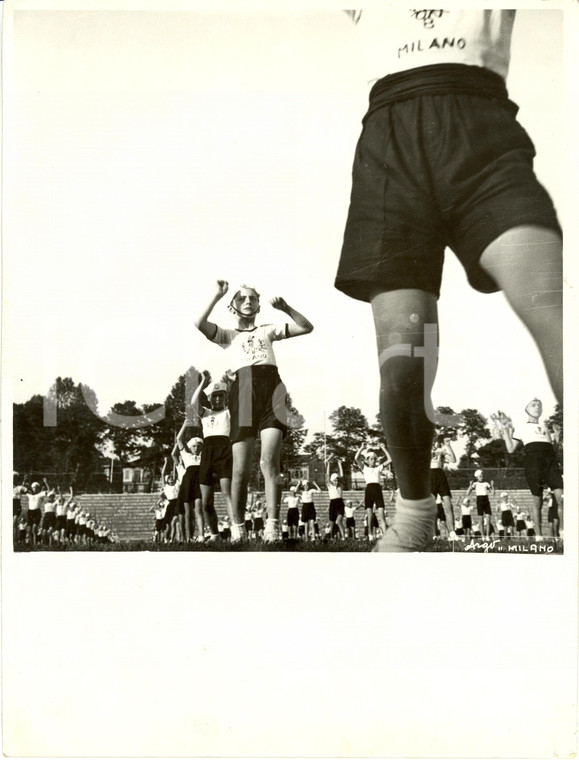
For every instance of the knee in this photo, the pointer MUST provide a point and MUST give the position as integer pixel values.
(268, 463)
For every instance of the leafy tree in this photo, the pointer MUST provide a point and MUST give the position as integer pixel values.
(350, 431)
(474, 428)
(126, 439)
(441, 415)
(59, 433)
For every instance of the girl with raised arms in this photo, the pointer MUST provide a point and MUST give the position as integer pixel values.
(257, 399)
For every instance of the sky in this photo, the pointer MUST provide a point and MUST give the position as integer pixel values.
(148, 154)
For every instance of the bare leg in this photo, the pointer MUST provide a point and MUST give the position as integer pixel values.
(537, 509)
(242, 452)
(198, 512)
(209, 512)
(405, 322)
(527, 264)
(270, 466)
(400, 317)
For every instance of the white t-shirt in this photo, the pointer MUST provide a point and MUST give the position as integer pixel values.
(171, 491)
(349, 510)
(396, 39)
(36, 500)
(250, 347)
(291, 501)
(533, 432)
(216, 423)
(466, 509)
(334, 492)
(190, 459)
(49, 506)
(482, 489)
(372, 474)
(308, 496)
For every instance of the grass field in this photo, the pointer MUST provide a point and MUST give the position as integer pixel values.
(478, 546)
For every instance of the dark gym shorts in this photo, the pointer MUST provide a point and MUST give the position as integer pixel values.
(350, 522)
(308, 511)
(373, 496)
(441, 161)
(257, 523)
(521, 525)
(216, 461)
(60, 522)
(553, 514)
(440, 515)
(483, 505)
(33, 517)
(466, 522)
(293, 516)
(541, 467)
(48, 521)
(507, 519)
(257, 401)
(70, 527)
(531, 532)
(336, 509)
(172, 510)
(438, 482)
(189, 489)
(16, 507)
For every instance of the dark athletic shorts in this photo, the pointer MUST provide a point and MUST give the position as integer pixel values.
(441, 161)
(553, 514)
(257, 523)
(438, 482)
(293, 517)
(440, 515)
(172, 510)
(16, 507)
(507, 519)
(308, 511)
(350, 522)
(257, 401)
(336, 509)
(48, 521)
(466, 522)
(33, 517)
(531, 532)
(189, 489)
(373, 496)
(521, 525)
(483, 505)
(216, 461)
(60, 522)
(541, 467)
(70, 527)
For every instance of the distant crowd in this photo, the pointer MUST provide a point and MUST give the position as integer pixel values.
(51, 518)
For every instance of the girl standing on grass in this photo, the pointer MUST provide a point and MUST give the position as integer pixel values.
(216, 460)
(337, 507)
(190, 491)
(371, 468)
(540, 443)
(483, 490)
(257, 397)
(309, 509)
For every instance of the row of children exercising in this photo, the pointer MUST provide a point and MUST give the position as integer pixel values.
(186, 506)
(52, 518)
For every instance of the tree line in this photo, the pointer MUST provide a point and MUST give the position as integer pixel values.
(76, 449)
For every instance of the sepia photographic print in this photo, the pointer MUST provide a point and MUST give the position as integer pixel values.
(285, 306)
